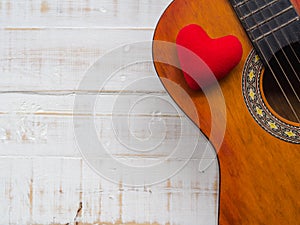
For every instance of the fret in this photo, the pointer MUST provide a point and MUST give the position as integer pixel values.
(270, 24)
(272, 43)
(258, 9)
(275, 29)
(270, 18)
(257, 6)
(240, 3)
(259, 16)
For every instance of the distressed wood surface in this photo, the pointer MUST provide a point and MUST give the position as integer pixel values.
(46, 46)
(259, 173)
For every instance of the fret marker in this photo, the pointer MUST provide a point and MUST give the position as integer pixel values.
(290, 133)
(252, 94)
(251, 75)
(272, 125)
(259, 111)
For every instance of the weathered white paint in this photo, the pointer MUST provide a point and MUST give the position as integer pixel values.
(81, 13)
(43, 190)
(45, 48)
(31, 64)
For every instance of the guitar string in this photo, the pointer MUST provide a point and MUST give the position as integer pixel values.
(237, 5)
(291, 47)
(283, 33)
(293, 50)
(286, 38)
(276, 79)
(274, 75)
(283, 51)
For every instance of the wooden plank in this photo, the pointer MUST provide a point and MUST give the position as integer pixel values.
(45, 49)
(42, 125)
(81, 14)
(52, 190)
(56, 60)
(44, 170)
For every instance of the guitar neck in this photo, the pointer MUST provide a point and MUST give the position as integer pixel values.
(270, 24)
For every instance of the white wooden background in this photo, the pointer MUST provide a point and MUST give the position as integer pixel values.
(46, 46)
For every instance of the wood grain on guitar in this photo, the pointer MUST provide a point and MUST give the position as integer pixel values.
(259, 173)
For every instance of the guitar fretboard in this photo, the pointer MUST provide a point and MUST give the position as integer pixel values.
(270, 24)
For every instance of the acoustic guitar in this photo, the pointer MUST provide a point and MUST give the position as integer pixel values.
(259, 157)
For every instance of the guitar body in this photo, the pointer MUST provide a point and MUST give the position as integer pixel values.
(259, 173)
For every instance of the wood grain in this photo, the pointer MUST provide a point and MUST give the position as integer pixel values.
(83, 14)
(49, 190)
(259, 173)
(46, 48)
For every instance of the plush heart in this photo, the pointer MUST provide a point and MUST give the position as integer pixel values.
(221, 55)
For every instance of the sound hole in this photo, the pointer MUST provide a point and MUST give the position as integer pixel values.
(284, 98)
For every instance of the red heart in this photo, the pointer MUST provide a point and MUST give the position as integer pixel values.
(221, 55)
